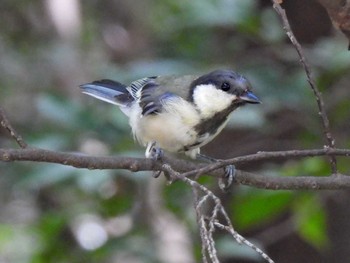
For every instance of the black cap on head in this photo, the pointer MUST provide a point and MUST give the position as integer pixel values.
(230, 82)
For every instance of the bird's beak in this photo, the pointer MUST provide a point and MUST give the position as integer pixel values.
(249, 97)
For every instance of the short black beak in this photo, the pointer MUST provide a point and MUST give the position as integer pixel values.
(249, 97)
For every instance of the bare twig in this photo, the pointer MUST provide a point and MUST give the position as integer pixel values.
(8, 127)
(236, 236)
(321, 109)
(208, 224)
(201, 224)
(208, 242)
(264, 156)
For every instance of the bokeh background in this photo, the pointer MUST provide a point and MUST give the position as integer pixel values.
(54, 213)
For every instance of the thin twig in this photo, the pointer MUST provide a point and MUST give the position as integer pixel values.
(12, 132)
(320, 103)
(264, 156)
(208, 242)
(213, 221)
(236, 236)
(201, 224)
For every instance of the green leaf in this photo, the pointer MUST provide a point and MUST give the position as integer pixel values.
(256, 207)
(311, 221)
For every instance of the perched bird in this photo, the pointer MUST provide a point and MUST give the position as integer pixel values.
(176, 114)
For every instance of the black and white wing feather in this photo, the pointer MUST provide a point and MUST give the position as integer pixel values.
(108, 90)
(149, 94)
(136, 87)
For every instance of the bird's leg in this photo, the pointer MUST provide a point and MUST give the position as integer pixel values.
(230, 171)
(155, 153)
(206, 158)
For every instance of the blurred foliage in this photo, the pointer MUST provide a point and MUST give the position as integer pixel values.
(311, 220)
(53, 213)
(256, 207)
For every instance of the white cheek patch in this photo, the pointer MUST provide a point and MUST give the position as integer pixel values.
(210, 100)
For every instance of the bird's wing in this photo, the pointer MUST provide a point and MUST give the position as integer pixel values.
(153, 92)
(153, 98)
(135, 88)
(108, 90)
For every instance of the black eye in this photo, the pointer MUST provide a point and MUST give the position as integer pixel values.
(225, 86)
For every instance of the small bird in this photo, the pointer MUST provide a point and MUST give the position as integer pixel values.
(177, 114)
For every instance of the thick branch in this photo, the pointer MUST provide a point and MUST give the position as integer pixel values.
(193, 169)
(77, 160)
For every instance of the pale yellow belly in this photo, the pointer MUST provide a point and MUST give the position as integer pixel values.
(172, 130)
(170, 133)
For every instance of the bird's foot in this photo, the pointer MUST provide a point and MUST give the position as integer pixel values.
(226, 181)
(229, 172)
(155, 153)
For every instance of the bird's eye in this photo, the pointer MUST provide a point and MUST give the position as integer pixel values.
(225, 86)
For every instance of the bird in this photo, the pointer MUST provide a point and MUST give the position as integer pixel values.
(177, 114)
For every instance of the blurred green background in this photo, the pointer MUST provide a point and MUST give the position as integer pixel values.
(53, 213)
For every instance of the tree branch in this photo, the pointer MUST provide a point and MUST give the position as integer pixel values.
(190, 169)
(209, 219)
(277, 155)
(339, 12)
(8, 127)
(320, 103)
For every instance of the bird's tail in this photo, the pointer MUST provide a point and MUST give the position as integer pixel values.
(109, 91)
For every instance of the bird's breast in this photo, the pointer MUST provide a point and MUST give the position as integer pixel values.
(178, 127)
(172, 128)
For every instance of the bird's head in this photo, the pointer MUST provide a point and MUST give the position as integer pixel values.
(221, 90)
